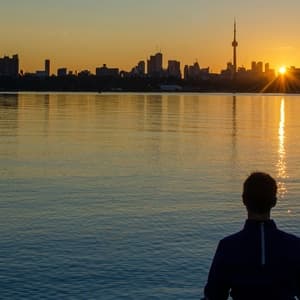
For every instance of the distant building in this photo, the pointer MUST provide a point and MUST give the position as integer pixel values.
(155, 65)
(138, 71)
(40, 73)
(294, 71)
(174, 69)
(253, 66)
(104, 71)
(45, 72)
(229, 71)
(47, 67)
(194, 72)
(267, 68)
(62, 72)
(242, 70)
(84, 73)
(9, 66)
(269, 72)
(141, 68)
(257, 67)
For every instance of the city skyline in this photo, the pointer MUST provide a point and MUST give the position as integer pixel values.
(81, 35)
(155, 68)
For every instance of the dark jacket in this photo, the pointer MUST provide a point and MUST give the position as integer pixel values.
(259, 262)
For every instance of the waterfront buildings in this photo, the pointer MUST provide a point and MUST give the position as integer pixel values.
(9, 66)
(61, 72)
(194, 72)
(104, 71)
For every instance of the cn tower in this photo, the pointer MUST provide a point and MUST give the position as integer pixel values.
(234, 45)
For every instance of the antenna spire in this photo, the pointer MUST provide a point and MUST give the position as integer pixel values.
(234, 45)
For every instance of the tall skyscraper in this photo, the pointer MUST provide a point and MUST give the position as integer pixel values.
(174, 69)
(47, 67)
(154, 65)
(267, 67)
(259, 67)
(234, 45)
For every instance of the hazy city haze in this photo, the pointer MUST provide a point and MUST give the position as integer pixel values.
(83, 34)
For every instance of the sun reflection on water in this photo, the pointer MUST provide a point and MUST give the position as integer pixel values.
(281, 164)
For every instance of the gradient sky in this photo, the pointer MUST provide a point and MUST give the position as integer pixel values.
(83, 34)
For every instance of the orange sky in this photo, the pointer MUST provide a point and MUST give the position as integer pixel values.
(86, 34)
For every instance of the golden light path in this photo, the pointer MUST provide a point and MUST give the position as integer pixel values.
(281, 164)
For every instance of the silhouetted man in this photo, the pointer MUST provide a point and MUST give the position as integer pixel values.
(260, 261)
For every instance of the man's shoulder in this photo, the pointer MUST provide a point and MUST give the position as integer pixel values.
(232, 238)
(288, 236)
(244, 236)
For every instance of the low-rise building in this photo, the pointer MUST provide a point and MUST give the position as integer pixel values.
(104, 71)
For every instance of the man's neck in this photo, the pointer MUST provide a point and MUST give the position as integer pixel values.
(258, 217)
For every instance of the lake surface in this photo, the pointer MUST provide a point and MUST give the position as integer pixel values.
(125, 196)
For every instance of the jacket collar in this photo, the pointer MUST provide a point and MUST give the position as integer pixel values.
(251, 224)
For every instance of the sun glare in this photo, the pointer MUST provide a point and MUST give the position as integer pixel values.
(282, 70)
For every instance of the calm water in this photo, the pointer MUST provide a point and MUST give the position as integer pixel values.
(126, 196)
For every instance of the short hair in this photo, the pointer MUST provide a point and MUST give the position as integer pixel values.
(259, 193)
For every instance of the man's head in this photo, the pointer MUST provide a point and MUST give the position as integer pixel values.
(259, 193)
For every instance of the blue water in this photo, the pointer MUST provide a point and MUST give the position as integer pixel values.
(125, 196)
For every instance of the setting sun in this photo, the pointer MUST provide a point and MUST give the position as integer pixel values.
(282, 70)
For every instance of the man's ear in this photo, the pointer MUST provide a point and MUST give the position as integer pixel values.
(244, 200)
(274, 202)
